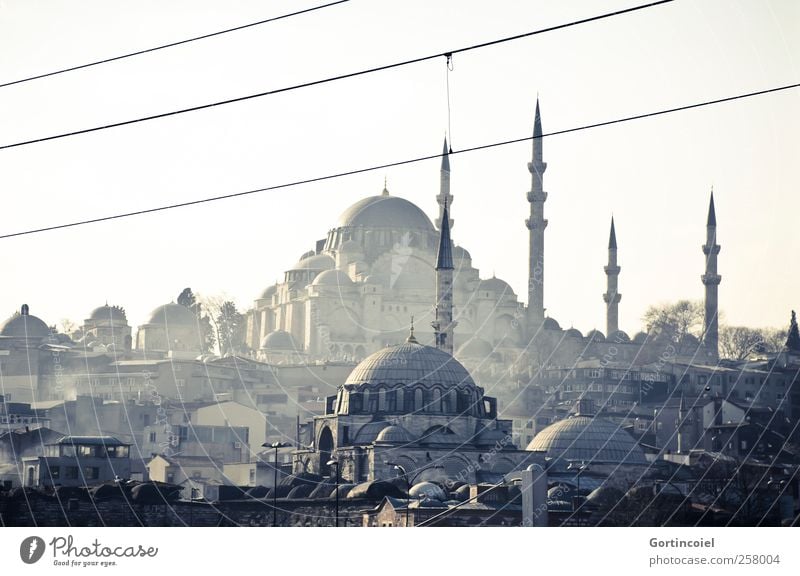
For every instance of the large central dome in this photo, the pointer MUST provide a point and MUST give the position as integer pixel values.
(411, 363)
(385, 212)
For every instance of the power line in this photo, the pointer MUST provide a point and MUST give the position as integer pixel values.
(172, 44)
(339, 77)
(400, 162)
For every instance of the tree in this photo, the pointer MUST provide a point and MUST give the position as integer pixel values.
(207, 339)
(774, 339)
(231, 329)
(739, 342)
(674, 322)
(67, 326)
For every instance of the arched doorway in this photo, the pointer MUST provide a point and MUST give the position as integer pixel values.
(325, 451)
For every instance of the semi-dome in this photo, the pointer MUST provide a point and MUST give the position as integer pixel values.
(369, 432)
(497, 285)
(461, 254)
(172, 314)
(551, 324)
(395, 435)
(315, 262)
(279, 340)
(588, 439)
(475, 347)
(410, 363)
(268, 292)
(107, 312)
(385, 212)
(23, 325)
(335, 278)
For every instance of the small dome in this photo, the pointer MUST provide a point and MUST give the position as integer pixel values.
(551, 324)
(640, 338)
(23, 325)
(410, 363)
(395, 435)
(595, 335)
(428, 491)
(461, 255)
(573, 333)
(588, 439)
(386, 212)
(174, 314)
(108, 313)
(267, 294)
(475, 347)
(619, 336)
(495, 284)
(315, 262)
(369, 433)
(279, 340)
(335, 278)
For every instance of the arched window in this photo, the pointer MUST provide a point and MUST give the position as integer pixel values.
(391, 401)
(381, 400)
(437, 400)
(419, 400)
(367, 397)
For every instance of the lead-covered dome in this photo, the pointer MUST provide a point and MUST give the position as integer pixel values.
(23, 325)
(336, 278)
(279, 340)
(172, 314)
(107, 312)
(588, 439)
(385, 212)
(411, 363)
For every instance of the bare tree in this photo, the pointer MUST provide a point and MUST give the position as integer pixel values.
(673, 322)
(739, 342)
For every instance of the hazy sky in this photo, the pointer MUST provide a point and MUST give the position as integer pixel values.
(653, 175)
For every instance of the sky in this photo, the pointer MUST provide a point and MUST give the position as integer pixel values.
(653, 175)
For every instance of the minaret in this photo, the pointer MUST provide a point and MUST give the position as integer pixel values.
(612, 295)
(536, 224)
(711, 281)
(443, 324)
(444, 198)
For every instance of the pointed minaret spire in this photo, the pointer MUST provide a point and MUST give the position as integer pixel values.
(444, 198)
(385, 187)
(612, 295)
(536, 224)
(443, 324)
(711, 281)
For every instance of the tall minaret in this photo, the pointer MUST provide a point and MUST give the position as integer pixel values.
(612, 295)
(711, 281)
(444, 198)
(536, 225)
(443, 324)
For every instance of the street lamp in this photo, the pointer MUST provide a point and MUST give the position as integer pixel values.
(336, 463)
(408, 486)
(275, 445)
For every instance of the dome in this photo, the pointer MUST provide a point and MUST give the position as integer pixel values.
(409, 363)
(267, 294)
(172, 314)
(368, 433)
(497, 285)
(315, 262)
(23, 325)
(386, 212)
(461, 254)
(279, 340)
(640, 338)
(595, 335)
(475, 347)
(335, 278)
(108, 313)
(551, 324)
(619, 336)
(428, 491)
(588, 439)
(395, 435)
(573, 333)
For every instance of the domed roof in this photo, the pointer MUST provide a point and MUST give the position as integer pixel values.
(588, 439)
(108, 313)
(619, 336)
(23, 325)
(410, 363)
(551, 324)
(497, 285)
(475, 347)
(369, 432)
(268, 292)
(573, 333)
(428, 490)
(640, 337)
(172, 314)
(335, 278)
(315, 262)
(595, 335)
(460, 253)
(386, 212)
(395, 435)
(279, 340)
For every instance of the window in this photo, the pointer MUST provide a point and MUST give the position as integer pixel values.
(146, 419)
(391, 401)
(345, 435)
(170, 477)
(252, 476)
(180, 382)
(55, 472)
(152, 437)
(91, 473)
(86, 451)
